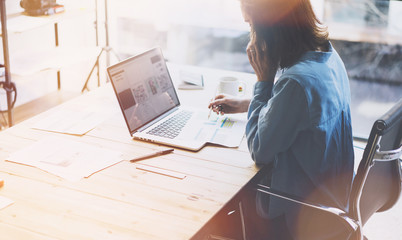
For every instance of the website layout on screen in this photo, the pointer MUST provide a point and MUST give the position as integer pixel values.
(144, 88)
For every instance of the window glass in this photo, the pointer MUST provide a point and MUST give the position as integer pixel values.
(211, 33)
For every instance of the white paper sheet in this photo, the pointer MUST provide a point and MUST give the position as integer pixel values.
(68, 159)
(5, 202)
(227, 130)
(161, 171)
(76, 122)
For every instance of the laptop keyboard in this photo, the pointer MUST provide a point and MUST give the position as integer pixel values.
(172, 127)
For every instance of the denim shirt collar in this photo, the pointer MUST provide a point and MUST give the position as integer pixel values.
(318, 56)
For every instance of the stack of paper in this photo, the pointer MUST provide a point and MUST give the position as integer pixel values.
(190, 80)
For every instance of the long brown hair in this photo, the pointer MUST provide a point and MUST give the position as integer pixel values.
(285, 29)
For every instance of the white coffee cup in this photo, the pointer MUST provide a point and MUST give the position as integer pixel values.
(231, 86)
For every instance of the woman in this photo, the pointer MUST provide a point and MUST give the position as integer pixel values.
(299, 125)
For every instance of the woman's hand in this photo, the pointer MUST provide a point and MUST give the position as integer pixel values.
(227, 104)
(259, 60)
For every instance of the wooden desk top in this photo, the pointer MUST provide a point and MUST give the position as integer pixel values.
(120, 202)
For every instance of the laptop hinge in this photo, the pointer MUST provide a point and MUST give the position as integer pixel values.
(156, 120)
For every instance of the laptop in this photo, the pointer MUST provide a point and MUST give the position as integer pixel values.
(152, 110)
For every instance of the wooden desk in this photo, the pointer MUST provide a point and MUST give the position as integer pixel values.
(121, 202)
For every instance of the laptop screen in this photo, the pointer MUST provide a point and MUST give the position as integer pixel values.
(143, 87)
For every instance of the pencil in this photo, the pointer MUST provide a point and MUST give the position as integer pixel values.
(151, 155)
(209, 114)
(210, 110)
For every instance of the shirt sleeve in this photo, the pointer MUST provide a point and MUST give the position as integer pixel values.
(275, 117)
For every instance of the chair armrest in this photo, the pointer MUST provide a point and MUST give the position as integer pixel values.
(400, 164)
(400, 167)
(349, 222)
(388, 155)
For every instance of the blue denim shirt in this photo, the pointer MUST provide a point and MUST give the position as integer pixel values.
(302, 126)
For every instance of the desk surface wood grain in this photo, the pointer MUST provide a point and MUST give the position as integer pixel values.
(121, 201)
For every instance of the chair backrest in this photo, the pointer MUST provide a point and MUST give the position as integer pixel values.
(377, 184)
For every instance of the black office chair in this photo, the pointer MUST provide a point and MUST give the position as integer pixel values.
(377, 184)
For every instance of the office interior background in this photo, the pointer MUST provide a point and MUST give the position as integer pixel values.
(209, 33)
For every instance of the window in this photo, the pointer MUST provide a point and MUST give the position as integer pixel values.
(211, 33)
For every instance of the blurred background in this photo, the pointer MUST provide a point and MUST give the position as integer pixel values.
(211, 33)
(366, 33)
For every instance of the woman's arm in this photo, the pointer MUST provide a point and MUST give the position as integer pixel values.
(227, 104)
(274, 122)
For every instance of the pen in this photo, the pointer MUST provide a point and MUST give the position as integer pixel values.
(210, 110)
(209, 114)
(151, 155)
(219, 110)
